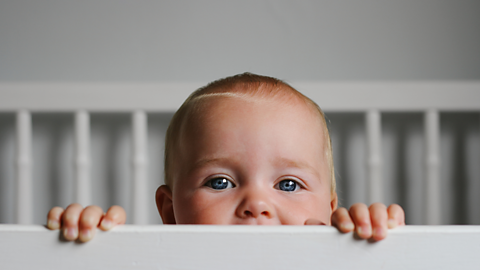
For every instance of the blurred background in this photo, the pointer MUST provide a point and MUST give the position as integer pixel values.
(200, 41)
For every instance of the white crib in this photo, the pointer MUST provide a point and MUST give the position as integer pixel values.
(241, 247)
(166, 247)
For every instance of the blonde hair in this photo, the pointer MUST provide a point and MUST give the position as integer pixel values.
(249, 86)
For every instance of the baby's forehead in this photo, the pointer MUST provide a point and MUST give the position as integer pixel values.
(213, 113)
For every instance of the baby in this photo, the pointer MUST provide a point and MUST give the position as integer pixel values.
(250, 150)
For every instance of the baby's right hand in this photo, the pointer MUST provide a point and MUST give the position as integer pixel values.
(80, 223)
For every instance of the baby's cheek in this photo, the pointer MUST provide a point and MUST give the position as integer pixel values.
(308, 208)
(292, 218)
(203, 208)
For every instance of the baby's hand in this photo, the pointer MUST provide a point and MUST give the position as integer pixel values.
(371, 222)
(80, 223)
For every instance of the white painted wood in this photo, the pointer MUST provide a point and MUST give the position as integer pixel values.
(374, 156)
(95, 97)
(140, 195)
(432, 168)
(241, 247)
(83, 189)
(24, 196)
(167, 97)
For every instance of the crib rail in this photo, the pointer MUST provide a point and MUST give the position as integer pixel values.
(167, 97)
(241, 247)
(140, 99)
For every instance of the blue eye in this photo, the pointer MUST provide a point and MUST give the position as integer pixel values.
(219, 183)
(288, 185)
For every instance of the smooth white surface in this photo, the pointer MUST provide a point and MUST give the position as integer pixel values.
(432, 168)
(140, 198)
(167, 97)
(374, 156)
(241, 247)
(24, 199)
(83, 189)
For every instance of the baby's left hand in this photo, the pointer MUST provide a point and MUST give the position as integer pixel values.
(369, 222)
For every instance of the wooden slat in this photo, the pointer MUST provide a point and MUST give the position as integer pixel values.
(432, 168)
(167, 97)
(24, 196)
(374, 156)
(140, 195)
(83, 188)
(241, 247)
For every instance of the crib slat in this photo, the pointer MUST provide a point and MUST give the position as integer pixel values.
(374, 170)
(24, 199)
(140, 198)
(432, 168)
(82, 158)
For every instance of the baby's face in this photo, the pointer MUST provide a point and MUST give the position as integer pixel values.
(252, 162)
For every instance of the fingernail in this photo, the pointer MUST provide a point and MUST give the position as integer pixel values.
(70, 233)
(347, 226)
(53, 225)
(106, 224)
(364, 231)
(391, 223)
(86, 235)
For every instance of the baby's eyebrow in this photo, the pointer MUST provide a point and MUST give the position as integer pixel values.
(204, 161)
(285, 162)
(207, 161)
(278, 162)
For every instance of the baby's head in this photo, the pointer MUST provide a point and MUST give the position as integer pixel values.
(247, 149)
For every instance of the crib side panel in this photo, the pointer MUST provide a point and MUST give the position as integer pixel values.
(241, 247)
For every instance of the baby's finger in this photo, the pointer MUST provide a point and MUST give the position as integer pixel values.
(361, 218)
(396, 216)
(342, 221)
(70, 219)
(89, 221)
(115, 216)
(378, 217)
(54, 218)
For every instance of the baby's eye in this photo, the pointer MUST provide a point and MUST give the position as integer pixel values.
(288, 185)
(219, 183)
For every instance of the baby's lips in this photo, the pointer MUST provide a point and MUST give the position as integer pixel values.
(314, 222)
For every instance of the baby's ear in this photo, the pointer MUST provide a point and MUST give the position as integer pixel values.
(163, 197)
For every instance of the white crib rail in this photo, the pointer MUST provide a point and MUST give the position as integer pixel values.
(432, 168)
(140, 99)
(167, 97)
(82, 158)
(374, 156)
(24, 194)
(241, 247)
(139, 163)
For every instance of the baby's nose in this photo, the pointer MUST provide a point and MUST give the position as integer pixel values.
(255, 206)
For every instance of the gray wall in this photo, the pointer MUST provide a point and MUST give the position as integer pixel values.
(159, 41)
(118, 40)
